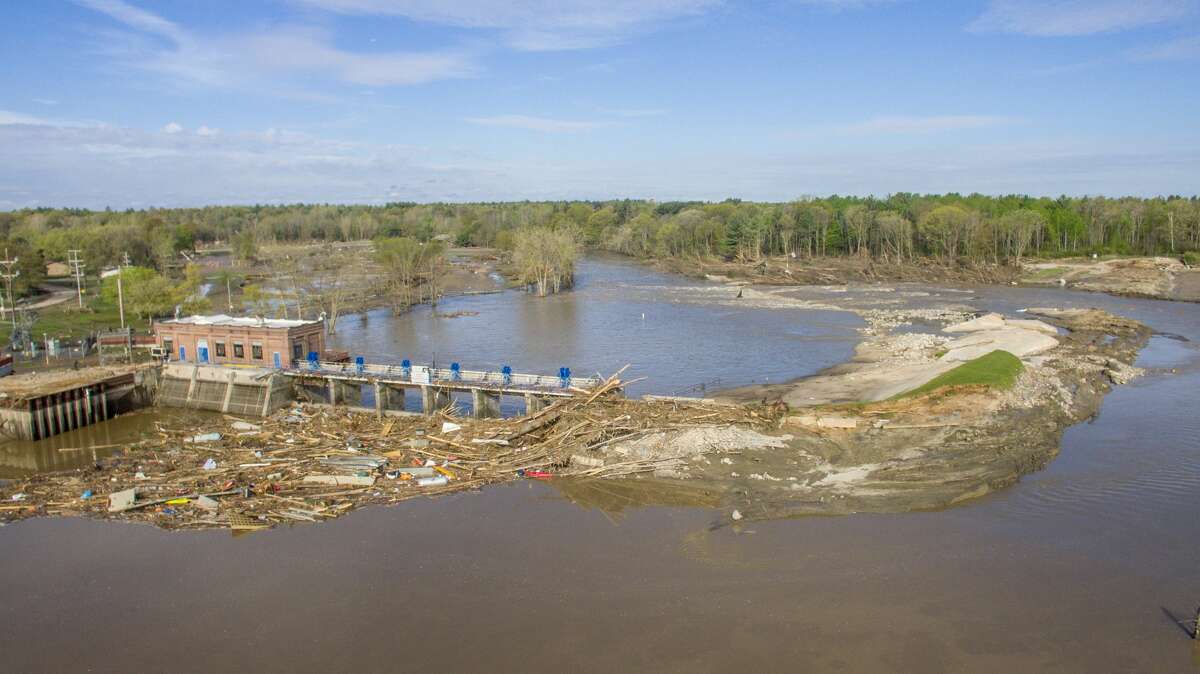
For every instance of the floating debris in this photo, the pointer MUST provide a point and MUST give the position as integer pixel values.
(308, 464)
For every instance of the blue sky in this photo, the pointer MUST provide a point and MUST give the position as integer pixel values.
(131, 103)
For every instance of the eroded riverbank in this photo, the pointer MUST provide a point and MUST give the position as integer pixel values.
(647, 574)
(839, 442)
(1146, 277)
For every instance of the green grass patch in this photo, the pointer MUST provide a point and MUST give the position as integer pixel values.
(1192, 258)
(1045, 274)
(68, 321)
(998, 369)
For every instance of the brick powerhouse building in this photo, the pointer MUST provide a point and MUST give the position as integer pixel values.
(249, 341)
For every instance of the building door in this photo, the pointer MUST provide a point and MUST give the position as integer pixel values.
(182, 353)
(202, 350)
(278, 361)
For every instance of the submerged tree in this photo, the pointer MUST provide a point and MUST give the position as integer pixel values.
(545, 259)
(408, 263)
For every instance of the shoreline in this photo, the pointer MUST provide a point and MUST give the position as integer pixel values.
(835, 442)
(1158, 278)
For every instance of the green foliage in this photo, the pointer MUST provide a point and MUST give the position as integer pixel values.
(1192, 258)
(245, 246)
(147, 293)
(545, 258)
(30, 267)
(901, 226)
(998, 369)
(257, 299)
(409, 265)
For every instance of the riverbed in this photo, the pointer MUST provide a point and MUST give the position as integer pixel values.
(1083, 566)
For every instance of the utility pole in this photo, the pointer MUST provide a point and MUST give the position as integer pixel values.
(121, 300)
(77, 266)
(8, 275)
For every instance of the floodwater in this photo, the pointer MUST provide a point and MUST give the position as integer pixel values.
(620, 314)
(1086, 566)
(83, 446)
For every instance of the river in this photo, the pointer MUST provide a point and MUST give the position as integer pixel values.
(1084, 566)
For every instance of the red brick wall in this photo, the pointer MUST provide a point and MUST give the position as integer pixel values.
(271, 341)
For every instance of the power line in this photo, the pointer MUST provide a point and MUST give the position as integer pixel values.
(8, 275)
(77, 266)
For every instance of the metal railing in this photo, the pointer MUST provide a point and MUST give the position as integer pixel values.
(446, 376)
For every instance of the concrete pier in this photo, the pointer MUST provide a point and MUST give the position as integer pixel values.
(45, 405)
(485, 404)
(534, 403)
(434, 399)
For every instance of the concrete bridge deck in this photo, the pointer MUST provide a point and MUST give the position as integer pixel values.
(436, 385)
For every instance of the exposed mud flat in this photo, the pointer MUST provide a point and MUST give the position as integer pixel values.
(851, 446)
(1149, 277)
(784, 270)
(1153, 277)
(838, 442)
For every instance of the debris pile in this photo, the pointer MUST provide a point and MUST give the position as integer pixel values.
(308, 464)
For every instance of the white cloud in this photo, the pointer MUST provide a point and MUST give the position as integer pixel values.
(98, 166)
(543, 124)
(45, 101)
(1046, 18)
(8, 117)
(925, 124)
(206, 131)
(535, 25)
(265, 60)
(1181, 49)
(308, 50)
(172, 127)
(137, 18)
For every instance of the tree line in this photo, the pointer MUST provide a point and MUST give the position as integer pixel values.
(897, 227)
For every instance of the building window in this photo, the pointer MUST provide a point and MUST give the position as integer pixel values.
(256, 351)
(297, 350)
(238, 350)
(220, 349)
(168, 346)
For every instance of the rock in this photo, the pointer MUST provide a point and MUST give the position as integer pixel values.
(1018, 342)
(736, 515)
(1119, 373)
(991, 321)
(1032, 324)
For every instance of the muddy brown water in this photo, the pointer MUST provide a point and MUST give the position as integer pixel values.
(1084, 566)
